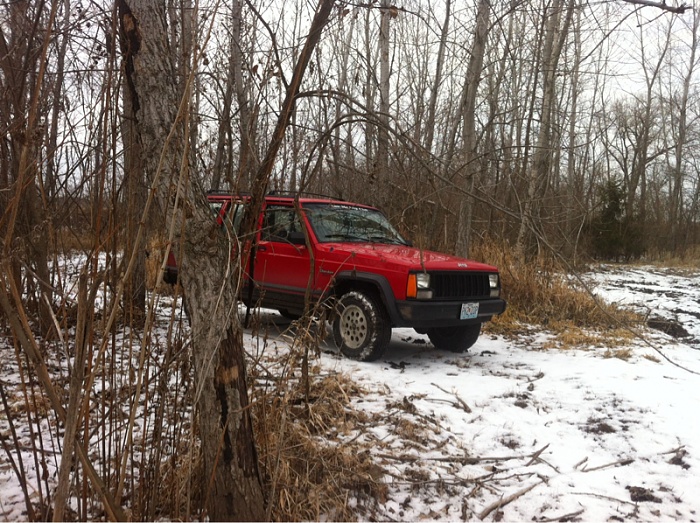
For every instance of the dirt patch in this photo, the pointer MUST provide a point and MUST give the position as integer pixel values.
(596, 426)
(638, 494)
(670, 327)
(678, 460)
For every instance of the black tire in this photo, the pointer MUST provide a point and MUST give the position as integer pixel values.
(361, 328)
(170, 276)
(286, 313)
(455, 339)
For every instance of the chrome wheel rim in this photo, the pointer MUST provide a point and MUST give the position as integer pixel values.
(353, 327)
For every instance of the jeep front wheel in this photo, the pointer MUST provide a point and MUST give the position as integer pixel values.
(454, 339)
(361, 326)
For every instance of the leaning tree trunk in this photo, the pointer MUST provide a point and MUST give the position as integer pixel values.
(231, 477)
(469, 156)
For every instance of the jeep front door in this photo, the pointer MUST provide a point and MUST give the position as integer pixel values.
(282, 261)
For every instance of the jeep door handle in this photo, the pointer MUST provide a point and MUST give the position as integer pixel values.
(262, 248)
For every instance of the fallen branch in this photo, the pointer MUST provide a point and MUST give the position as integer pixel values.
(565, 517)
(412, 459)
(504, 501)
(620, 463)
(461, 403)
(674, 451)
(466, 460)
(601, 496)
(536, 455)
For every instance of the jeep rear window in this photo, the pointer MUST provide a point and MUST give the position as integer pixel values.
(347, 223)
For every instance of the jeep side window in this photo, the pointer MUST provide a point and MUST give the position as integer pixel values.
(234, 215)
(278, 222)
(216, 207)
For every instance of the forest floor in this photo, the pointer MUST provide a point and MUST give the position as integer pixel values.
(519, 428)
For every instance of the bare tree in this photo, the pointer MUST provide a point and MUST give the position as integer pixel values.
(556, 33)
(23, 53)
(435, 90)
(469, 150)
(230, 463)
(681, 138)
(382, 160)
(235, 87)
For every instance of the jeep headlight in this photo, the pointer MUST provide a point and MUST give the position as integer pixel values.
(493, 284)
(423, 280)
(419, 286)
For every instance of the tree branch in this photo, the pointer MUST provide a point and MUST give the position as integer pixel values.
(677, 9)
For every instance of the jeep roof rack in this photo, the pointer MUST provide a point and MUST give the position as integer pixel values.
(223, 192)
(275, 193)
(294, 194)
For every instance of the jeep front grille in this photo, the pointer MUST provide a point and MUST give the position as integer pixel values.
(459, 285)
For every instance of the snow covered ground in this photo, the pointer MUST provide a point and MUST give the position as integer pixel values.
(598, 437)
(518, 430)
(523, 430)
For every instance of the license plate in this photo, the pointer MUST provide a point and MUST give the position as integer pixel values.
(469, 311)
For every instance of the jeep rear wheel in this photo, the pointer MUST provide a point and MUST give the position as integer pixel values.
(286, 313)
(361, 327)
(454, 339)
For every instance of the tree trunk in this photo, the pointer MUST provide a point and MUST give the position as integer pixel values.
(135, 195)
(542, 158)
(231, 475)
(432, 104)
(381, 165)
(469, 152)
(676, 203)
(23, 62)
(248, 162)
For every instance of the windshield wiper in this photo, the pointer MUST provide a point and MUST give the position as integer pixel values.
(386, 239)
(340, 236)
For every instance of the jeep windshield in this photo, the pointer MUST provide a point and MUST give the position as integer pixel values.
(346, 223)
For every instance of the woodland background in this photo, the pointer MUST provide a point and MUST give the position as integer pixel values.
(529, 129)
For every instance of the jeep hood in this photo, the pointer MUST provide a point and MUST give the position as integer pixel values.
(410, 258)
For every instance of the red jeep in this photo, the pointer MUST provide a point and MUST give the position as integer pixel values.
(349, 255)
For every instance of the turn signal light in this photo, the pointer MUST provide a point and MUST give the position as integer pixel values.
(412, 287)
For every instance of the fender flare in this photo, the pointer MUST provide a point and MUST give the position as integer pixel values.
(386, 294)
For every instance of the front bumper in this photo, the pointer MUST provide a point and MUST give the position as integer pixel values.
(425, 314)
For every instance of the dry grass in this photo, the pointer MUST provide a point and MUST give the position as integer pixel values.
(688, 260)
(69, 240)
(312, 458)
(540, 293)
(621, 354)
(569, 336)
(156, 246)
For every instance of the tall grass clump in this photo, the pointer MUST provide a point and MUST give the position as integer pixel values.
(314, 462)
(544, 292)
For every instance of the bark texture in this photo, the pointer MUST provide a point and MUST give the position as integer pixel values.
(232, 485)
